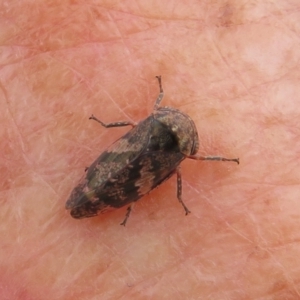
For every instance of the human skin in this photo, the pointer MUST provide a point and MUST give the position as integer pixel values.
(233, 67)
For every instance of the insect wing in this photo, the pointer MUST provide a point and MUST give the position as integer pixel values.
(109, 163)
(145, 173)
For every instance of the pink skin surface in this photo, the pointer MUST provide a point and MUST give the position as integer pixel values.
(233, 66)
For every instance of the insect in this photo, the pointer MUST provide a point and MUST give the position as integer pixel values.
(142, 159)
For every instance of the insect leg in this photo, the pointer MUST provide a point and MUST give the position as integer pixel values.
(179, 190)
(218, 158)
(161, 93)
(129, 209)
(115, 124)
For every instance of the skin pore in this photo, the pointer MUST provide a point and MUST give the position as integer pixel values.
(233, 67)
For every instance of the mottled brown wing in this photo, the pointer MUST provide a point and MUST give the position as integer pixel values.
(111, 162)
(145, 173)
(119, 155)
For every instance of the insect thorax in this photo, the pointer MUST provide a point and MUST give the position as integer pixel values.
(182, 127)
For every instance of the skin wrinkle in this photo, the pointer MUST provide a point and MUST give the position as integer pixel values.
(119, 108)
(289, 279)
(236, 75)
(13, 121)
(122, 38)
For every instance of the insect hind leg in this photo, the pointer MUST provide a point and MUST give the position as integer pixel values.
(179, 190)
(129, 209)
